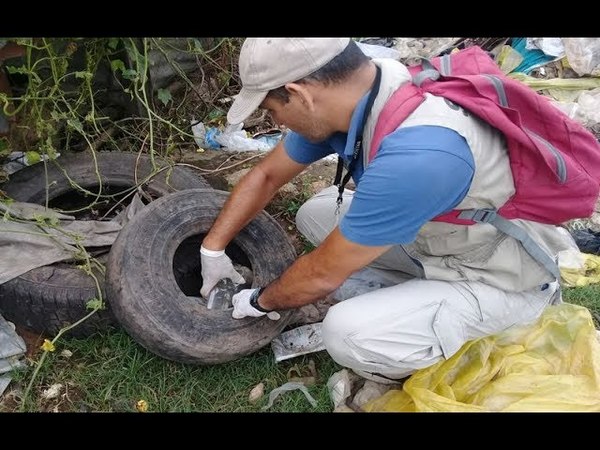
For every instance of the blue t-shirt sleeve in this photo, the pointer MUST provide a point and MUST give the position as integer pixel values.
(303, 151)
(418, 173)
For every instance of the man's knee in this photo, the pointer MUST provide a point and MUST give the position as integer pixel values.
(316, 218)
(394, 347)
(337, 325)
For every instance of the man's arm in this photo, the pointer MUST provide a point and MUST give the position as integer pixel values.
(318, 273)
(251, 195)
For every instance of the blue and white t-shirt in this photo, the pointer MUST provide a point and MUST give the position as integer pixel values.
(418, 173)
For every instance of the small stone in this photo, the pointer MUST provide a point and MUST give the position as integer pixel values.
(256, 393)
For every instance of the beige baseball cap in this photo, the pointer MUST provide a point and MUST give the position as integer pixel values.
(269, 63)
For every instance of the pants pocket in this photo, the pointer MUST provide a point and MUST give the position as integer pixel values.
(411, 341)
(449, 329)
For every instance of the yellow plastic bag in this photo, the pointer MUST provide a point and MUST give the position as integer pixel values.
(583, 276)
(552, 365)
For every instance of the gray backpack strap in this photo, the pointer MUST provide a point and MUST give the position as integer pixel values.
(493, 218)
(429, 72)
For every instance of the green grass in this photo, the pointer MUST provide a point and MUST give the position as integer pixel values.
(588, 296)
(110, 372)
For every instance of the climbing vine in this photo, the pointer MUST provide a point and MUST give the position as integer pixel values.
(109, 94)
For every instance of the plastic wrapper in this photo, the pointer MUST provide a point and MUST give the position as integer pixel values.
(552, 365)
(583, 275)
(587, 240)
(583, 55)
(290, 386)
(508, 59)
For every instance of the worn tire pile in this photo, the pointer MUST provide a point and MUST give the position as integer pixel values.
(152, 281)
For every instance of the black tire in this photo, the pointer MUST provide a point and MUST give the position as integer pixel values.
(117, 169)
(151, 305)
(48, 298)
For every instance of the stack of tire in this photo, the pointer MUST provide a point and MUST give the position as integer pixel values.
(153, 278)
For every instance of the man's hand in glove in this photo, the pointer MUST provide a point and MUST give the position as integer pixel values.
(245, 304)
(216, 265)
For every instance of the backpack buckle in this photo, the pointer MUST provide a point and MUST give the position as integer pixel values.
(484, 215)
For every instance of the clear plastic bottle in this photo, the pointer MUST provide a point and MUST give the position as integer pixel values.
(221, 295)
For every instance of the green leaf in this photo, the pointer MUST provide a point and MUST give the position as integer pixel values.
(22, 70)
(113, 42)
(117, 64)
(49, 148)
(130, 74)
(76, 124)
(83, 74)
(164, 96)
(215, 114)
(46, 220)
(94, 303)
(32, 157)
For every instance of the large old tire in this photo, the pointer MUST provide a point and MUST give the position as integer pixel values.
(159, 307)
(48, 298)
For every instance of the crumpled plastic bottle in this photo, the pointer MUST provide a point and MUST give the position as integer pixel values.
(221, 295)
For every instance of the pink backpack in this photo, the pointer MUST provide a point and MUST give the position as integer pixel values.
(555, 161)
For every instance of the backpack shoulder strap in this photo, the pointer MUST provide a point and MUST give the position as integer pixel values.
(430, 76)
(507, 227)
(399, 106)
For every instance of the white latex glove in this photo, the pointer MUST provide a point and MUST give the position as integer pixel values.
(216, 265)
(242, 307)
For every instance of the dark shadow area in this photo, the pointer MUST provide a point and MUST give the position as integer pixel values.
(186, 264)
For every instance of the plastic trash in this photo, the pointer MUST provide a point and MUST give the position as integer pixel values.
(291, 386)
(339, 386)
(299, 341)
(588, 108)
(199, 132)
(531, 58)
(205, 137)
(210, 137)
(234, 138)
(579, 271)
(552, 365)
(270, 138)
(587, 240)
(550, 46)
(508, 59)
(583, 55)
(221, 295)
(378, 51)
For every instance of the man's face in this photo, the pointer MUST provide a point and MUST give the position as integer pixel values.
(297, 117)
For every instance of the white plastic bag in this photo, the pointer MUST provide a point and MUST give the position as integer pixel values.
(583, 55)
(234, 138)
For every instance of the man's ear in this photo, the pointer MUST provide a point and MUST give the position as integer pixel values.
(302, 92)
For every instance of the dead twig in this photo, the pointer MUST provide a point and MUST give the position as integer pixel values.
(220, 168)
